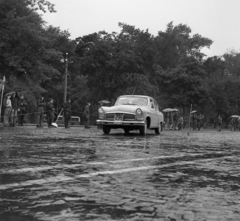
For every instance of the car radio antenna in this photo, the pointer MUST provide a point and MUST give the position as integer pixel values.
(134, 89)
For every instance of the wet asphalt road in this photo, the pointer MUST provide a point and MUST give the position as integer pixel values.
(79, 174)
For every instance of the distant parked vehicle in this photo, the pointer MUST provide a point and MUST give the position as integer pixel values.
(75, 120)
(132, 112)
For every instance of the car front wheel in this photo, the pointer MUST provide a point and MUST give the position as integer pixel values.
(143, 129)
(158, 129)
(106, 129)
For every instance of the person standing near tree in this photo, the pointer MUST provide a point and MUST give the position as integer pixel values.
(180, 123)
(170, 120)
(232, 124)
(238, 123)
(198, 121)
(50, 112)
(40, 112)
(167, 120)
(7, 112)
(194, 121)
(201, 117)
(235, 124)
(67, 112)
(219, 123)
(15, 109)
(86, 115)
(22, 110)
(175, 120)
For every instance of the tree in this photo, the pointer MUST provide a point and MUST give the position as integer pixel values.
(176, 46)
(232, 62)
(117, 63)
(183, 85)
(223, 84)
(30, 51)
(24, 45)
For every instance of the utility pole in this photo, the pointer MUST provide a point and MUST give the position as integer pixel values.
(2, 90)
(66, 76)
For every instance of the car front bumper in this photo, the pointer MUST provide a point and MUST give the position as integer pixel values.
(120, 123)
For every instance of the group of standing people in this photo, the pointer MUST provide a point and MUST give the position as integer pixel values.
(50, 111)
(235, 124)
(174, 121)
(15, 110)
(52, 115)
(197, 121)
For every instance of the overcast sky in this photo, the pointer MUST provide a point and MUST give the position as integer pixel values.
(218, 20)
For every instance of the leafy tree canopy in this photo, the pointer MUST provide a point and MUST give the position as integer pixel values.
(170, 66)
(30, 51)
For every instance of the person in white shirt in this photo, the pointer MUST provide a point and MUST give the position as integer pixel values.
(7, 112)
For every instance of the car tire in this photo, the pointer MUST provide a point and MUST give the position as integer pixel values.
(143, 129)
(106, 129)
(126, 131)
(159, 129)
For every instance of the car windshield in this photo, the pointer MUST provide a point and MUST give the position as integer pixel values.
(141, 101)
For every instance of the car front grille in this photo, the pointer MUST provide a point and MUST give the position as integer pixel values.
(126, 117)
(129, 117)
(110, 116)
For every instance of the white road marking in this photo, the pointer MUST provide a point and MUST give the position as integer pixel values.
(152, 158)
(37, 169)
(59, 178)
(65, 166)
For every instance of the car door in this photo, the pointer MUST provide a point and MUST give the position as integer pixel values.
(158, 113)
(153, 114)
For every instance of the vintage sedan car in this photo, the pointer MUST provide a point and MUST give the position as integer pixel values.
(131, 112)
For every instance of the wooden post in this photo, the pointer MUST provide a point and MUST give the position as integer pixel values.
(189, 119)
(3, 84)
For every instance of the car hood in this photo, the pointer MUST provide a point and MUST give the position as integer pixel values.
(122, 108)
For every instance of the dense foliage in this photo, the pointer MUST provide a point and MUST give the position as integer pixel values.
(101, 65)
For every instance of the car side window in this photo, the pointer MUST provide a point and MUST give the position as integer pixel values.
(152, 104)
(156, 105)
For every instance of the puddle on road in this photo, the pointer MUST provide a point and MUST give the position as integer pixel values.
(82, 175)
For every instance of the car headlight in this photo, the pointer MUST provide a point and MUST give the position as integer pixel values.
(100, 111)
(139, 111)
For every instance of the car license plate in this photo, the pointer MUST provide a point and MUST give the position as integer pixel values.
(118, 117)
(117, 122)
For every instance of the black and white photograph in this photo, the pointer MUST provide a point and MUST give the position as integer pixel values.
(114, 110)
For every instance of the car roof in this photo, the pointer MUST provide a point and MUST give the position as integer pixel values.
(135, 96)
